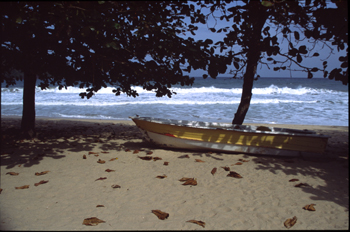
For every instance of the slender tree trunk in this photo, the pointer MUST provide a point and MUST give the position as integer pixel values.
(258, 18)
(28, 114)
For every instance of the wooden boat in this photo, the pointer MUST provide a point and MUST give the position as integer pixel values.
(223, 137)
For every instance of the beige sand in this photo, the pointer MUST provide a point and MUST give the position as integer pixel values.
(263, 199)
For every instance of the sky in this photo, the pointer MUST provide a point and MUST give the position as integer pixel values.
(325, 53)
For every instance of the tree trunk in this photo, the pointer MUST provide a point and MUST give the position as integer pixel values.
(28, 114)
(258, 16)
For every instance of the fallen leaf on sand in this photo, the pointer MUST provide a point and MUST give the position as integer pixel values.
(166, 163)
(149, 153)
(93, 221)
(185, 179)
(198, 160)
(116, 186)
(198, 222)
(113, 159)
(234, 174)
(93, 153)
(301, 185)
(191, 181)
(213, 171)
(226, 168)
(105, 152)
(127, 150)
(136, 151)
(145, 157)
(13, 173)
(101, 178)
(22, 187)
(109, 170)
(161, 177)
(41, 173)
(100, 206)
(293, 180)
(156, 158)
(84, 156)
(290, 222)
(160, 214)
(243, 160)
(184, 156)
(96, 155)
(41, 182)
(310, 207)
(0, 190)
(238, 163)
(101, 161)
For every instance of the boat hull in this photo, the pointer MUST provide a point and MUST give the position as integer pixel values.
(230, 138)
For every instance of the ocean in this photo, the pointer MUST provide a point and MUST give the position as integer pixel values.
(302, 101)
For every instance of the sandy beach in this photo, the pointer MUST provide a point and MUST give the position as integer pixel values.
(80, 169)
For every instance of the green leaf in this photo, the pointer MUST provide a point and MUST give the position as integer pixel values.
(267, 3)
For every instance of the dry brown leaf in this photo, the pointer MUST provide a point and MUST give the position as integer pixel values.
(292, 180)
(160, 214)
(93, 153)
(101, 178)
(234, 174)
(113, 159)
(105, 152)
(243, 160)
(100, 206)
(41, 182)
(301, 185)
(184, 156)
(22, 187)
(149, 153)
(200, 161)
(310, 207)
(185, 179)
(166, 163)
(201, 223)
(84, 156)
(213, 171)
(226, 168)
(238, 163)
(116, 186)
(290, 222)
(191, 181)
(161, 177)
(146, 157)
(156, 158)
(93, 221)
(127, 150)
(13, 173)
(41, 173)
(96, 155)
(101, 161)
(136, 151)
(20, 165)
(109, 170)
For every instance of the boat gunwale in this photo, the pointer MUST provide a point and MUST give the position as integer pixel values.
(230, 127)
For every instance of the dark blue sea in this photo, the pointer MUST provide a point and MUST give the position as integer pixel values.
(316, 101)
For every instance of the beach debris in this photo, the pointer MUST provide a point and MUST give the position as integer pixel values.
(310, 207)
(290, 222)
(226, 168)
(136, 151)
(96, 155)
(19, 165)
(101, 161)
(238, 163)
(201, 223)
(22, 187)
(84, 156)
(200, 161)
(188, 181)
(116, 186)
(93, 221)
(213, 171)
(41, 182)
(100, 206)
(105, 152)
(184, 156)
(161, 177)
(243, 160)
(149, 152)
(113, 159)
(101, 178)
(127, 150)
(41, 173)
(109, 170)
(166, 163)
(93, 153)
(302, 185)
(13, 173)
(234, 174)
(293, 180)
(145, 157)
(156, 158)
(160, 214)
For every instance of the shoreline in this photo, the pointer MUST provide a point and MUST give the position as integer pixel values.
(85, 158)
